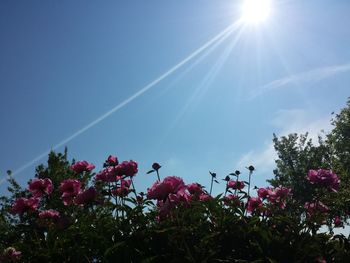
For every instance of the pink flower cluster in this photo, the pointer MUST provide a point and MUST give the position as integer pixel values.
(72, 193)
(276, 195)
(204, 197)
(172, 192)
(315, 207)
(197, 193)
(49, 214)
(86, 197)
(236, 185)
(169, 193)
(231, 199)
(108, 175)
(82, 166)
(337, 221)
(40, 187)
(127, 168)
(112, 161)
(123, 189)
(114, 171)
(325, 178)
(161, 190)
(254, 204)
(22, 205)
(10, 254)
(195, 189)
(69, 188)
(181, 198)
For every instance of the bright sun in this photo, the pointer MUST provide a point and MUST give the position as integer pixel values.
(255, 11)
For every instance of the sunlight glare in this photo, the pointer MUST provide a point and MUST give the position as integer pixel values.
(255, 11)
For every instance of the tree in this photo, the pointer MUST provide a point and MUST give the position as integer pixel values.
(297, 154)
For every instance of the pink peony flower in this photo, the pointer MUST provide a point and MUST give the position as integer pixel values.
(112, 160)
(161, 190)
(205, 197)
(239, 185)
(49, 214)
(85, 197)
(124, 188)
(164, 208)
(282, 192)
(10, 254)
(195, 189)
(315, 207)
(231, 199)
(82, 166)
(264, 192)
(279, 195)
(127, 168)
(275, 196)
(39, 187)
(312, 176)
(23, 205)
(108, 175)
(254, 203)
(337, 221)
(325, 178)
(181, 198)
(69, 189)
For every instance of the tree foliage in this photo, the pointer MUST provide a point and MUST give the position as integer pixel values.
(297, 154)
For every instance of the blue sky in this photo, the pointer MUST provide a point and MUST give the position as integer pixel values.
(64, 64)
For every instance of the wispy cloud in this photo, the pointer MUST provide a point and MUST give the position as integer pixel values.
(263, 159)
(300, 121)
(308, 76)
(285, 122)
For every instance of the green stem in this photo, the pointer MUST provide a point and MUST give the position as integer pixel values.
(250, 175)
(116, 210)
(122, 204)
(236, 185)
(133, 186)
(158, 175)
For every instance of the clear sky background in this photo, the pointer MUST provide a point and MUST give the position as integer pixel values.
(64, 64)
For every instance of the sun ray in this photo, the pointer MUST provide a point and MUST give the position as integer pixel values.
(207, 80)
(179, 65)
(203, 56)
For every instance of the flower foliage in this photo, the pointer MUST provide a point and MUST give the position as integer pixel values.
(39, 187)
(161, 190)
(324, 178)
(69, 188)
(82, 166)
(23, 205)
(70, 214)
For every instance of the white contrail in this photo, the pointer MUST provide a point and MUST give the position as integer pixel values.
(194, 54)
(308, 76)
